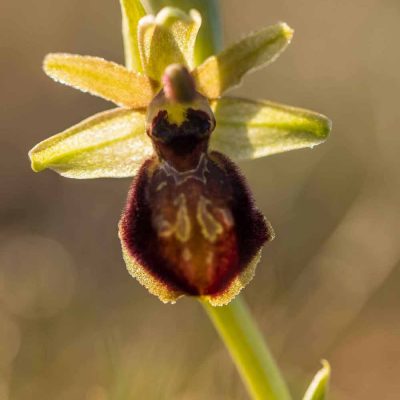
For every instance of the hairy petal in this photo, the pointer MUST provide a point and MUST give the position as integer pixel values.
(249, 129)
(166, 39)
(100, 77)
(132, 12)
(226, 69)
(109, 144)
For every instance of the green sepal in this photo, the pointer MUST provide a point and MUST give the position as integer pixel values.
(248, 129)
(167, 38)
(108, 144)
(209, 38)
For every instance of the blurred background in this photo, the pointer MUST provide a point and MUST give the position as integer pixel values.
(74, 325)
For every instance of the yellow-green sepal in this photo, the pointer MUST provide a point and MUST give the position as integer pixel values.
(248, 129)
(225, 70)
(167, 38)
(209, 38)
(108, 144)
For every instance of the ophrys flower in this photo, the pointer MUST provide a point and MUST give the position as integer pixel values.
(190, 225)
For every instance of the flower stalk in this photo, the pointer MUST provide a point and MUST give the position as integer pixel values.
(248, 350)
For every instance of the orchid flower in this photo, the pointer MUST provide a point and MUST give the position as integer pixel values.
(190, 226)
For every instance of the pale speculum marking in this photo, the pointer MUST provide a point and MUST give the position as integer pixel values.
(210, 227)
(181, 228)
(161, 186)
(180, 177)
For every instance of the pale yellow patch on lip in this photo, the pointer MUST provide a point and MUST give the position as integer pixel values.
(161, 186)
(183, 226)
(210, 227)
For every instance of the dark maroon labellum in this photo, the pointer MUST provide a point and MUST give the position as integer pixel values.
(190, 225)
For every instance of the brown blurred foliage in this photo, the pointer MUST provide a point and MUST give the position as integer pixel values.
(74, 325)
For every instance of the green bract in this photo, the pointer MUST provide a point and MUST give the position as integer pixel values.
(114, 143)
(318, 389)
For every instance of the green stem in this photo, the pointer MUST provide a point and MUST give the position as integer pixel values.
(248, 350)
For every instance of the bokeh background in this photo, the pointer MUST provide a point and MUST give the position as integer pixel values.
(74, 325)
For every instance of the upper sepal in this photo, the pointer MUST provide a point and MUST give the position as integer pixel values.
(167, 38)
